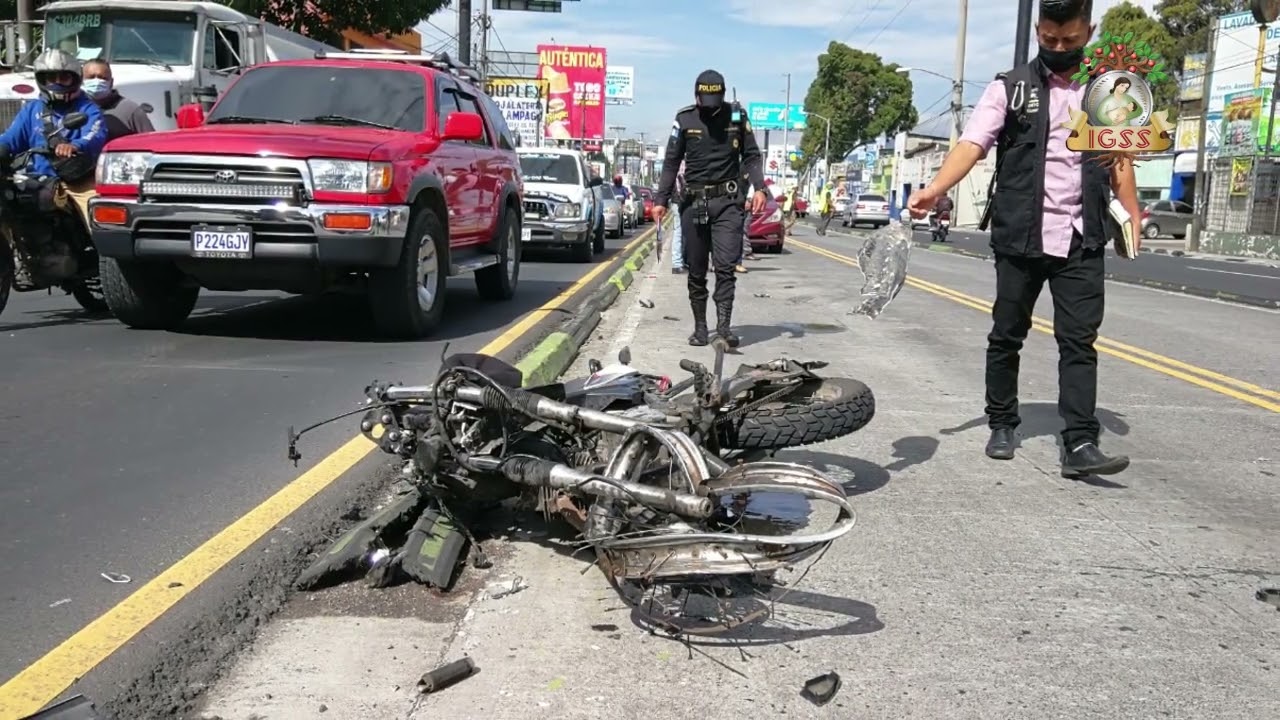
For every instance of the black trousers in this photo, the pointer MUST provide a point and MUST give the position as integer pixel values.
(1077, 285)
(824, 223)
(719, 241)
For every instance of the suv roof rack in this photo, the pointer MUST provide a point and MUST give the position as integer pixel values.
(439, 61)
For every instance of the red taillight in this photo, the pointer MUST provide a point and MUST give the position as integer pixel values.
(861, 206)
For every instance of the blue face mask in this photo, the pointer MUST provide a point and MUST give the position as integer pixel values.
(97, 87)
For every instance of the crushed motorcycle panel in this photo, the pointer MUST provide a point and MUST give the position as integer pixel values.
(639, 465)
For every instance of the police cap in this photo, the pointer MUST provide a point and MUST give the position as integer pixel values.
(709, 89)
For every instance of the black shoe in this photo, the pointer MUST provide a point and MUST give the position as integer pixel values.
(1088, 459)
(1001, 444)
(677, 271)
(699, 336)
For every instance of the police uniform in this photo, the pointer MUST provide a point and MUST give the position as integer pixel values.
(715, 143)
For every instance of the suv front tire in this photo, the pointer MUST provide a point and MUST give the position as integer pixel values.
(408, 299)
(498, 282)
(146, 296)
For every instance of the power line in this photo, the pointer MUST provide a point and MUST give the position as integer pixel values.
(898, 14)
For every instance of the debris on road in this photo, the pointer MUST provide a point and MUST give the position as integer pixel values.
(78, 707)
(822, 689)
(883, 261)
(56, 603)
(646, 304)
(505, 587)
(446, 675)
(1270, 596)
(118, 578)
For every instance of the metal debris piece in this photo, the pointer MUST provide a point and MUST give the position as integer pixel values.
(763, 295)
(350, 550)
(821, 689)
(433, 548)
(646, 303)
(56, 603)
(74, 708)
(446, 675)
(671, 317)
(118, 578)
(503, 588)
(1270, 596)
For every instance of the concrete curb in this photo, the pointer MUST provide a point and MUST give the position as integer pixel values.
(1134, 280)
(547, 360)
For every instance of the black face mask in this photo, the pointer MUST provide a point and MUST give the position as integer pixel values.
(1061, 60)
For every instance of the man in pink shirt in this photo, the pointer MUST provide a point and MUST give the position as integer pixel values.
(1048, 224)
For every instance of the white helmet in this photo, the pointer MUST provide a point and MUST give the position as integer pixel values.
(50, 65)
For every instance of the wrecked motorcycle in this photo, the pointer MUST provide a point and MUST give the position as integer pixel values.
(664, 513)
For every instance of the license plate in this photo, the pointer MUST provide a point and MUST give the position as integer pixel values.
(222, 242)
(526, 235)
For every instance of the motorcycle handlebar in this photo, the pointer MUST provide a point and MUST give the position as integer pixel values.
(690, 366)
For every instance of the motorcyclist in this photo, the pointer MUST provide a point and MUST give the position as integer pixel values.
(39, 125)
(941, 210)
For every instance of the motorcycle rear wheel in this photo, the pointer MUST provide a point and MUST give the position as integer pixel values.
(816, 412)
(89, 295)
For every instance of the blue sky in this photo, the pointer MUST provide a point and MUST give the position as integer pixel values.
(754, 42)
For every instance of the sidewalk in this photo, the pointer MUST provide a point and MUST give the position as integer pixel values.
(969, 588)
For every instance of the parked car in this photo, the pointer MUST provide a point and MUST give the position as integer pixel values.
(647, 195)
(838, 206)
(613, 213)
(866, 210)
(1166, 217)
(765, 229)
(560, 204)
(312, 175)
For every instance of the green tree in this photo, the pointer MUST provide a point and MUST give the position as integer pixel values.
(1189, 22)
(863, 97)
(1129, 18)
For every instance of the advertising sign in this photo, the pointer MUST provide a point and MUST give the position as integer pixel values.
(1234, 64)
(1241, 117)
(1192, 86)
(575, 77)
(773, 116)
(1241, 175)
(1118, 114)
(1188, 139)
(619, 85)
(522, 101)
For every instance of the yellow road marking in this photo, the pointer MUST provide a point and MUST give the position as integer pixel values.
(1207, 379)
(44, 680)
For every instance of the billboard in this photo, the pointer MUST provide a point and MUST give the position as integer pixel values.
(770, 116)
(1188, 138)
(1234, 63)
(575, 77)
(522, 101)
(619, 85)
(1241, 121)
(1192, 77)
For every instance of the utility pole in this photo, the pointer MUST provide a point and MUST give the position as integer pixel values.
(484, 41)
(464, 31)
(1200, 218)
(957, 97)
(26, 14)
(1022, 35)
(786, 128)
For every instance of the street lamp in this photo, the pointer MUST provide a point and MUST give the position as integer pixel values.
(826, 148)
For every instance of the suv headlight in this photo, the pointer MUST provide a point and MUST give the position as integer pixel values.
(568, 210)
(122, 168)
(353, 176)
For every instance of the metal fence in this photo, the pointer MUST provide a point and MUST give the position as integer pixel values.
(1244, 196)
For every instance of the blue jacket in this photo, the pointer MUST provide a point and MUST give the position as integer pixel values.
(27, 131)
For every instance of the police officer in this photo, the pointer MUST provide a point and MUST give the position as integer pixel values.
(715, 142)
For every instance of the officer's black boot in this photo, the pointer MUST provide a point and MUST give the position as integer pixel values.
(724, 317)
(699, 336)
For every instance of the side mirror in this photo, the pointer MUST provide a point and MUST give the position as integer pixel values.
(72, 121)
(190, 116)
(464, 126)
(596, 181)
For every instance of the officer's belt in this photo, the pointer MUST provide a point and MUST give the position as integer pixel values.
(727, 188)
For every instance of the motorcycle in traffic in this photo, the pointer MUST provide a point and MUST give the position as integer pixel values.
(44, 245)
(939, 225)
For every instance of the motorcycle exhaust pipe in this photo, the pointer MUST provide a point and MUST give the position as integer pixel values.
(545, 473)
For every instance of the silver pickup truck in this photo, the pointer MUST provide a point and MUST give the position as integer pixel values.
(562, 205)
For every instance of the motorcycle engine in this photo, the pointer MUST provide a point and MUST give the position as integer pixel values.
(44, 258)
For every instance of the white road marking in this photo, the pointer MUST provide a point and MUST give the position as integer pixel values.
(1232, 272)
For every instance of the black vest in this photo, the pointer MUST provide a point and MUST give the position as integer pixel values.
(1018, 200)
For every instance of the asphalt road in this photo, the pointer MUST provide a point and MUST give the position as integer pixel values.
(1256, 280)
(121, 450)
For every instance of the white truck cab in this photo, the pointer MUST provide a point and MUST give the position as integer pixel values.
(562, 202)
(163, 53)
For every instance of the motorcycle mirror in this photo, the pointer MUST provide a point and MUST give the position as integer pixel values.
(72, 121)
(594, 366)
(624, 355)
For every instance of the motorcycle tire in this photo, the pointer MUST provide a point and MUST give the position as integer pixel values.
(90, 298)
(820, 411)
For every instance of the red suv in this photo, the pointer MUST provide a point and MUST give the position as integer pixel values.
(381, 174)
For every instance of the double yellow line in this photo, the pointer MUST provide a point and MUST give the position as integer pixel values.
(1207, 379)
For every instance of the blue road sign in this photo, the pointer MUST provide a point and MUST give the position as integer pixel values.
(774, 116)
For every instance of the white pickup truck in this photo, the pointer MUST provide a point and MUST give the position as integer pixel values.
(562, 205)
